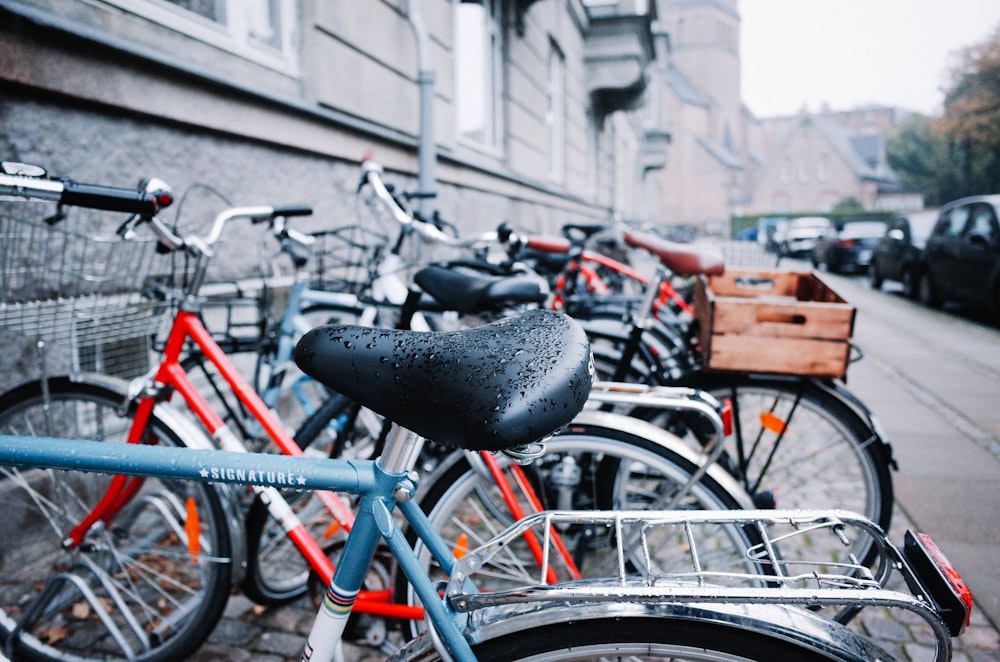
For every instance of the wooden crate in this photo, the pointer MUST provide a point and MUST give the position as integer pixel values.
(782, 322)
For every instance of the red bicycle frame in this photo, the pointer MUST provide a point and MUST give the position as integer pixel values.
(592, 279)
(172, 377)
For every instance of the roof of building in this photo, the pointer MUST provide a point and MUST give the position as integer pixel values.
(862, 153)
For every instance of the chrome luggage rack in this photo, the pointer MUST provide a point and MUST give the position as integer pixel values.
(778, 570)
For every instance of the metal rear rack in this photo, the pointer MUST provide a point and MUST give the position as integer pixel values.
(777, 569)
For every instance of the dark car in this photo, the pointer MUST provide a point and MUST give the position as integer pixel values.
(962, 257)
(851, 248)
(898, 253)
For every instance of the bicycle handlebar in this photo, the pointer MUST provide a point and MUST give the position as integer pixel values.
(93, 196)
(204, 244)
(371, 174)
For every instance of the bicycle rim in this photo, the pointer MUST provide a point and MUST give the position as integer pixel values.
(149, 583)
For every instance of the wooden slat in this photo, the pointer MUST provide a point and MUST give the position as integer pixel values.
(781, 322)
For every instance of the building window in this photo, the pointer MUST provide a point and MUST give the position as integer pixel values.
(780, 203)
(555, 116)
(804, 174)
(478, 72)
(823, 171)
(787, 171)
(259, 30)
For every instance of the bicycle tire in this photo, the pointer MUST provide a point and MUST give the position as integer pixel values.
(644, 639)
(174, 594)
(825, 455)
(621, 469)
(676, 633)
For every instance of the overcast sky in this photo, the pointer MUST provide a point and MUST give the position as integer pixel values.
(849, 53)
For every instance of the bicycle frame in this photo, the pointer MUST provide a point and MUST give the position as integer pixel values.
(382, 489)
(293, 324)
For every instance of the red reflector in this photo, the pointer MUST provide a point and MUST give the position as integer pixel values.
(164, 200)
(948, 573)
(727, 416)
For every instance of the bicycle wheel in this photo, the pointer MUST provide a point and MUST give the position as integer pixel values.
(606, 464)
(805, 445)
(140, 585)
(794, 443)
(799, 447)
(678, 633)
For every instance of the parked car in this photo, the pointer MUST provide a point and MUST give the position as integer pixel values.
(803, 233)
(850, 249)
(962, 256)
(898, 253)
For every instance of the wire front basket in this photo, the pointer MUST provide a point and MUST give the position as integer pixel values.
(78, 255)
(345, 259)
(69, 283)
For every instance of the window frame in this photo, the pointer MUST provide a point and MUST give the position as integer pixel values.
(555, 115)
(233, 36)
(492, 102)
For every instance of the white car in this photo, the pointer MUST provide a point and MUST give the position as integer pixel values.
(803, 233)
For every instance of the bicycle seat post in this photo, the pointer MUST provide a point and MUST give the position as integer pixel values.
(645, 310)
(402, 448)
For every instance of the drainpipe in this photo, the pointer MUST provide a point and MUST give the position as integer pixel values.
(426, 155)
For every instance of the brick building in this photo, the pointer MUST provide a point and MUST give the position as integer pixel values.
(529, 109)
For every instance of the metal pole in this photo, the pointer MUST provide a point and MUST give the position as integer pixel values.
(426, 154)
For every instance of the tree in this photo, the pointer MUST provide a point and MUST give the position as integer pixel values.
(971, 119)
(850, 205)
(920, 157)
(957, 154)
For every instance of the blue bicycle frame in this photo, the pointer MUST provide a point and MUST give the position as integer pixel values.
(383, 484)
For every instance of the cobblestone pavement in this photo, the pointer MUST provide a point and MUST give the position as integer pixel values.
(249, 632)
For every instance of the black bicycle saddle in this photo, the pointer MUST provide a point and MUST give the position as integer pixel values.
(491, 387)
(467, 290)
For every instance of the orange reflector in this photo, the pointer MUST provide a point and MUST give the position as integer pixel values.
(192, 527)
(461, 546)
(772, 423)
(331, 530)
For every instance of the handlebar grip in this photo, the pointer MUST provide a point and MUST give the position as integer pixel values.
(293, 210)
(109, 198)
